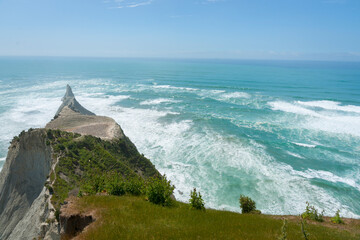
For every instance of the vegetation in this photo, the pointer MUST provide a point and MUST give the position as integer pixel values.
(305, 234)
(312, 213)
(159, 191)
(130, 217)
(247, 205)
(92, 165)
(337, 219)
(196, 201)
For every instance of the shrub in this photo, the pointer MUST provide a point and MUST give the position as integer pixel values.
(247, 205)
(134, 186)
(95, 183)
(116, 188)
(196, 201)
(312, 213)
(283, 235)
(159, 191)
(337, 218)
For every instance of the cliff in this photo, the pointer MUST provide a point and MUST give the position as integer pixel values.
(46, 166)
(22, 192)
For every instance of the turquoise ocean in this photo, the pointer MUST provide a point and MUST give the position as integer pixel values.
(281, 132)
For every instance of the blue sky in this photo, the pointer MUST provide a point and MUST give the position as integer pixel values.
(244, 29)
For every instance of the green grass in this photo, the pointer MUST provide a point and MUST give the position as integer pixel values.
(129, 217)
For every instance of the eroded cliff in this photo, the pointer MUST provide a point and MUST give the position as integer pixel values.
(22, 193)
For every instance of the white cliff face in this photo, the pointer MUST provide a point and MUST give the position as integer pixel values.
(23, 198)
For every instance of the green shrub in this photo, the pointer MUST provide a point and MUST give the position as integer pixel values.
(134, 186)
(312, 213)
(283, 235)
(159, 191)
(116, 188)
(337, 218)
(196, 201)
(247, 205)
(95, 183)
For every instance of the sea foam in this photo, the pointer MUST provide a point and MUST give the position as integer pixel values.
(322, 120)
(158, 101)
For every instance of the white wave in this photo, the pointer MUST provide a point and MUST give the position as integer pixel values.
(331, 105)
(241, 98)
(327, 176)
(292, 108)
(173, 87)
(333, 122)
(295, 155)
(235, 95)
(158, 101)
(305, 145)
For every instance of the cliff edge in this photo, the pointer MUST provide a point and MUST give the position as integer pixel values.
(46, 166)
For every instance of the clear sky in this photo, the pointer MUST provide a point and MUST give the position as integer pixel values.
(245, 29)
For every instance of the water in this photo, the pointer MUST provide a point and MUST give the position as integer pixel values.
(282, 133)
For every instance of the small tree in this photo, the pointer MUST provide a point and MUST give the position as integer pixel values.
(159, 191)
(312, 213)
(247, 205)
(337, 218)
(196, 201)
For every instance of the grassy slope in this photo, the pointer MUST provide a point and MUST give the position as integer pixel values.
(81, 158)
(129, 217)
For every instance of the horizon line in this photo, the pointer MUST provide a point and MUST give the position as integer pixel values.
(182, 58)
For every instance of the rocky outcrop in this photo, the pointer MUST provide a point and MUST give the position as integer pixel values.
(70, 102)
(23, 198)
(72, 117)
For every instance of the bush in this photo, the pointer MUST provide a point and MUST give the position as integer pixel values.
(134, 187)
(337, 218)
(95, 183)
(159, 191)
(116, 188)
(247, 205)
(312, 213)
(196, 201)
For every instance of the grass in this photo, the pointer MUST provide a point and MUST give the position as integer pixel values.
(129, 217)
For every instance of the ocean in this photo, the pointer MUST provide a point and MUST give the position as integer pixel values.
(281, 132)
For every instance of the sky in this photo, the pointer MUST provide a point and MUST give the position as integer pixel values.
(235, 29)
